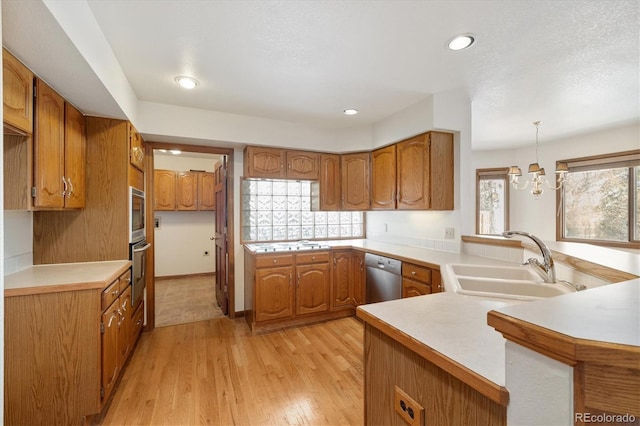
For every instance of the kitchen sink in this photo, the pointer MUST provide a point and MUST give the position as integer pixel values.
(503, 282)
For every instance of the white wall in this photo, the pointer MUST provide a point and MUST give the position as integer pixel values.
(18, 240)
(450, 111)
(538, 216)
(2, 267)
(183, 237)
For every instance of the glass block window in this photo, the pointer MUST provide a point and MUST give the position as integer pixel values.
(280, 210)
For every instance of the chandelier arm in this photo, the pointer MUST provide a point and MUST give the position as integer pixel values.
(514, 185)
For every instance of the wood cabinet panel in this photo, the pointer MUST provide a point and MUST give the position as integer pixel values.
(312, 257)
(263, 162)
(359, 279)
(417, 272)
(186, 191)
(75, 156)
(313, 288)
(413, 173)
(303, 165)
(206, 191)
(412, 288)
(441, 167)
(274, 293)
(17, 93)
(327, 193)
(383, 178)
(343, 277)
(110, 354)
(52, 357)
(355, 181)
(436, 281)
(18, 169)
(164, 189)
(268, 261)
(124, 329)
(49, 148)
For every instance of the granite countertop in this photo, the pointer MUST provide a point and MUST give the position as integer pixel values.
(59, 277)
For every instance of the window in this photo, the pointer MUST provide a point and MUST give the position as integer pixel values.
(280, 210)
(599, 202)
(492, 201)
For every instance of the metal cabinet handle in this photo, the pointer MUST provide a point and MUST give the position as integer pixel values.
(413, 272)
(115, 292)
(111, 320)
(64, 190)
(313, 258)
(70, 188)
(275, 260)
(139, 322)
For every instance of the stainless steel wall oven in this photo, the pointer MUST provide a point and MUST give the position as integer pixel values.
(138, 257)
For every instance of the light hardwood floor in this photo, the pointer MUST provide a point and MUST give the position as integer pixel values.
(215, 372)
(186, 299)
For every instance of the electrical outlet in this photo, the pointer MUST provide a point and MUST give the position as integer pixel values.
(206, 253)
(449, 233)
(410, 411)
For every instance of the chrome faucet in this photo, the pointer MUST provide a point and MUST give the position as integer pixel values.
(546, 271)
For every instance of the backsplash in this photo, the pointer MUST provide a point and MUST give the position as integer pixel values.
(452, 246)
(18, 240)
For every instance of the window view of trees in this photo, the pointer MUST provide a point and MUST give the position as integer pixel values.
(596, 205)
(492, 203)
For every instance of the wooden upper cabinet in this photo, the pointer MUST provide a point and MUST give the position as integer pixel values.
(48, 150)
(413, 173)
(75, 143)
(136, 148)
(164, 189)
(17, 93)
(326, 193)
(262, 162)
(355, 181)
(187, 191)
(441, 168)
(206, 191)
(303, 165)
(383, 178)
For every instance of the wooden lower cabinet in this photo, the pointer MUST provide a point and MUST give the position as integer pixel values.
(418, 280)
(65, 351)
(390, 366)
(348, 279)
(285, 289)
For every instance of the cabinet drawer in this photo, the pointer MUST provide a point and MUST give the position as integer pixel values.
(110, 294)
(274, 260)
(315, 257)
(415, 272)
(125, 281)
(137, 322)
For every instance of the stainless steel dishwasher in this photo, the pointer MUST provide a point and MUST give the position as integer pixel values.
(384, 278)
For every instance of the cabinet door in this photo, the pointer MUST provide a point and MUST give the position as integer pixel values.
(187, 191)
(411, 288)
(355, 181)
(383, 178)
(303, 165)
(359, 279)
(342, 279)
(110, 355)
(441, 167)
(17, 93)
(330, 191)
(206, 191)
(274, 293)
(48, 148)
(136, 148)
(313, 289)
(436, 281)
(264, 162)
(124, 331)
(75, 143)
(164, 189)
(413, 173)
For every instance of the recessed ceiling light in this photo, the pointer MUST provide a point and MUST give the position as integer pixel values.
(350, 111)
(460, 42)
(176, 151)
(186, 82)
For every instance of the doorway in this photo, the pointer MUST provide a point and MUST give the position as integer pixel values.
(189, 255)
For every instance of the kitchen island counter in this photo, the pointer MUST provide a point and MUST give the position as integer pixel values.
(59, 277)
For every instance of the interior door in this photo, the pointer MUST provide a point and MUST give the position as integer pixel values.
(222, 255)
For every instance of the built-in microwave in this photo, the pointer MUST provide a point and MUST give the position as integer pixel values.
(136, 215)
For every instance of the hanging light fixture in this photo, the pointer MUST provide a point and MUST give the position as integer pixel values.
(538, 177)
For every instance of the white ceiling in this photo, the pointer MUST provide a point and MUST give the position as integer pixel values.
(575, 65)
